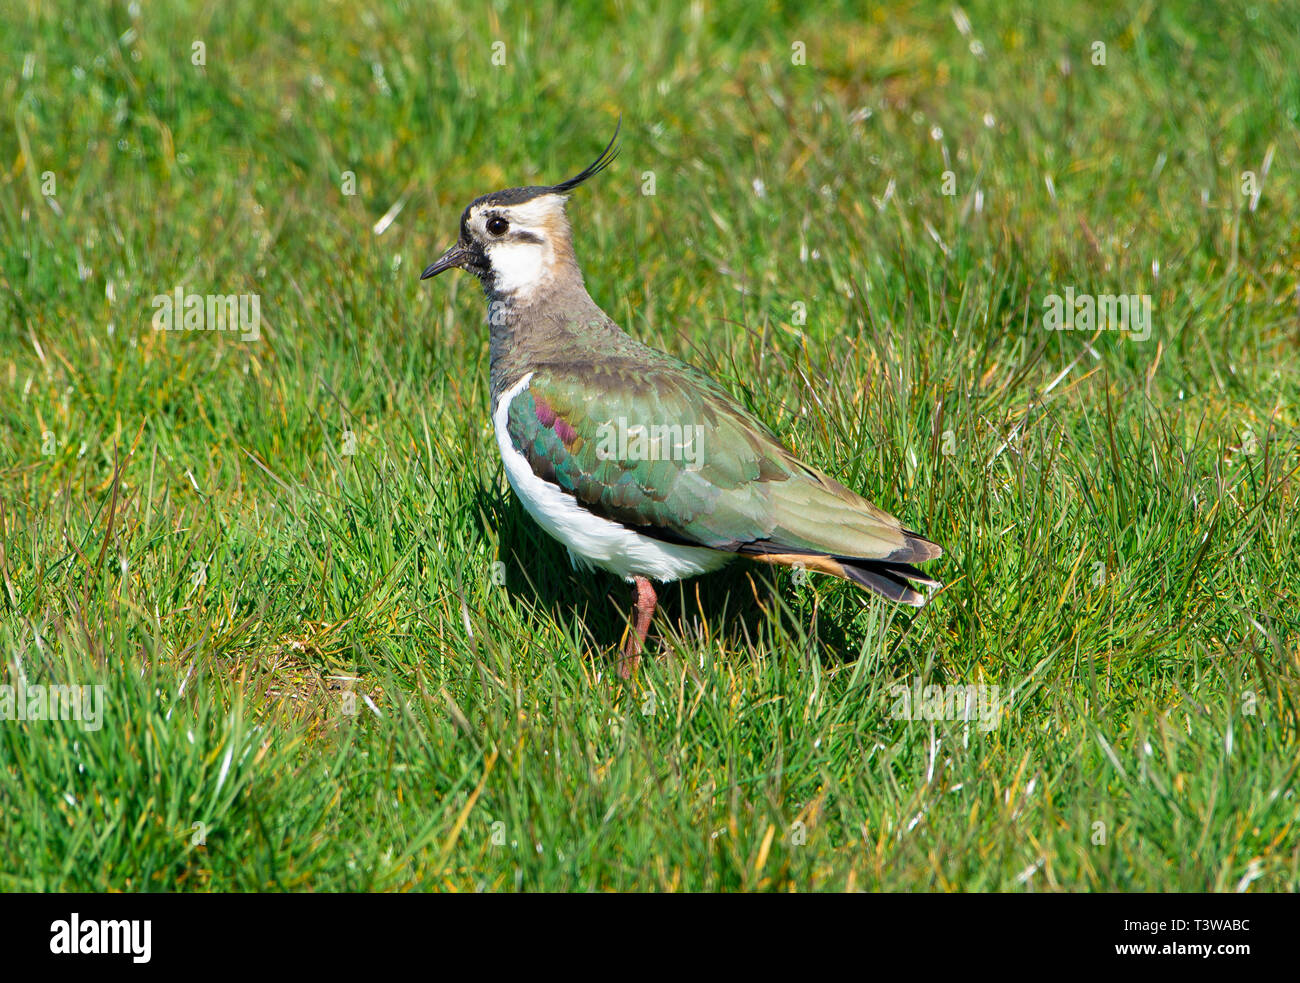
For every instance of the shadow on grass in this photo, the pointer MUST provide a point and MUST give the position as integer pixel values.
(733, 607)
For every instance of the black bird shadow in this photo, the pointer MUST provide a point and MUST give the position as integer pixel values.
(737, 604)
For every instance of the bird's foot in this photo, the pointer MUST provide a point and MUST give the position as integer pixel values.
(646, 599)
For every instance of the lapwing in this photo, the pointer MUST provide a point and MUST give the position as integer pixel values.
(636, 461)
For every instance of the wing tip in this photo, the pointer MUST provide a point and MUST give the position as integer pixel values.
(916, 549)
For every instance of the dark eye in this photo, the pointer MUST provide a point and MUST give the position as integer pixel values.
(497, 225)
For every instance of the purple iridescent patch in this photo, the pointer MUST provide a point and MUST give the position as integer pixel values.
(548, 418)
(565, 432)
(545, 413)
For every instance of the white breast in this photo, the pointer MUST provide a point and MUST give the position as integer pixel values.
(591, 540)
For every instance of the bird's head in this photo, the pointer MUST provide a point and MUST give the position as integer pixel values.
(518, 241)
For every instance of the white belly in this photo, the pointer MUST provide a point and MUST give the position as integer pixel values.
(591, 540)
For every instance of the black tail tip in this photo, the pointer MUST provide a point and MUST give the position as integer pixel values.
(892, 581)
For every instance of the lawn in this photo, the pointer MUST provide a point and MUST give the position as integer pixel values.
(330, 651)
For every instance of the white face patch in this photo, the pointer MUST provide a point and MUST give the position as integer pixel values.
(521, 265)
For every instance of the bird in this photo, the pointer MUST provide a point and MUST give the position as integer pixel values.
(636, 461)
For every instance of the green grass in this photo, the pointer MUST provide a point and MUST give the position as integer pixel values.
(181, 521)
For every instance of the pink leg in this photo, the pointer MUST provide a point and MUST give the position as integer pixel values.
(646, 599)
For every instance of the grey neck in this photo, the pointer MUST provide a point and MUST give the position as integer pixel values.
(563, 324)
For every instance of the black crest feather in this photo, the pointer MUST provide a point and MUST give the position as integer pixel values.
(516, 196)
(595, 167)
